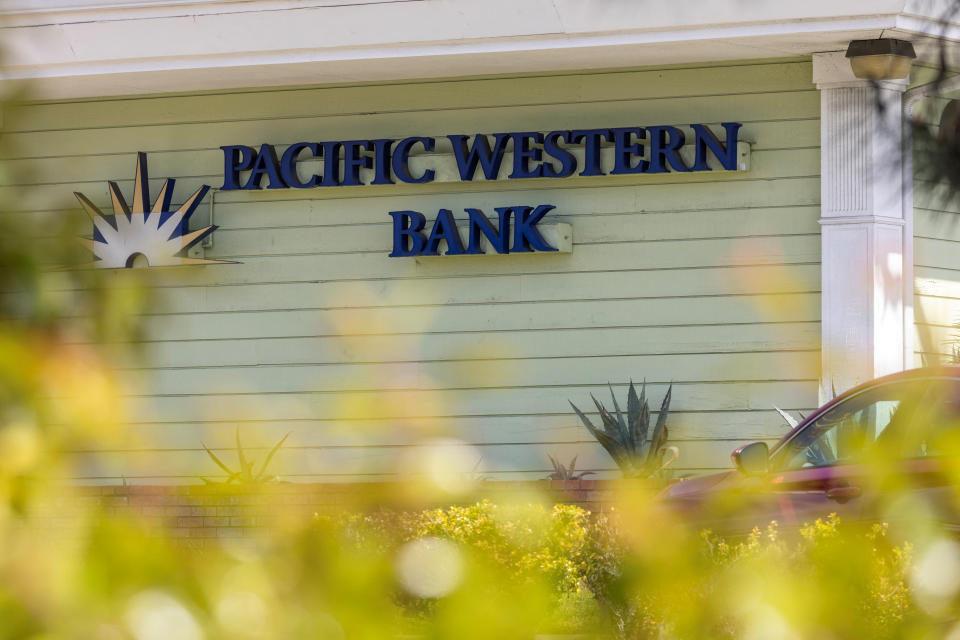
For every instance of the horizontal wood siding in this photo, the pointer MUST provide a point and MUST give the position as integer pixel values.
(707, 280)
(936, 302)
(937, 287)
(936, 252)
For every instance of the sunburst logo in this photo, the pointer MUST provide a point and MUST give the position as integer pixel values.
(155, 234)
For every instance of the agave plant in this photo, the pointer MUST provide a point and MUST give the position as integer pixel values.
(638, 451)
(245, 474)
(819, 453)
(569, 472)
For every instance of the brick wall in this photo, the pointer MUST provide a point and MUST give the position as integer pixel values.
(206, 512)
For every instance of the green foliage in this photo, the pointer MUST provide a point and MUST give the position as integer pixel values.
(638, 451)
(568, 472)
(603, 578)
(865, 574)
(245, 474)
(521, 570)
(563, 551)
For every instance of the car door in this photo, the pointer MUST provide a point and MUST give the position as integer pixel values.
(918, 458)
(825, 467)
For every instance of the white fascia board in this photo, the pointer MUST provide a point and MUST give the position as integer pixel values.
(919, 27)
(20, 13)
(576, 15)
(258, 43)
(767, 37)
(338, 66)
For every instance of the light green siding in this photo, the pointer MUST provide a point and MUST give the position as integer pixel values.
(936, 251)
(708, 280)
(937, 295)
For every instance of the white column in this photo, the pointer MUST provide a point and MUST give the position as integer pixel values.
(863, 226)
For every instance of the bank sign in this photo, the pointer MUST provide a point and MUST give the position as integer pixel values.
(159, 234)
(519, 155)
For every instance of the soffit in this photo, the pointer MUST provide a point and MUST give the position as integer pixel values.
(79, 48)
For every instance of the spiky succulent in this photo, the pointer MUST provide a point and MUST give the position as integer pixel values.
(820, 452)
(638, 451)
(245, 474)
(568, 472)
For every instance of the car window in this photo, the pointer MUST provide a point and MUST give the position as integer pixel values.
(843, 434)
(933, 427)
(909, 419)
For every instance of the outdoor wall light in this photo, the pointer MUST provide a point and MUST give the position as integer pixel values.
(881, 59)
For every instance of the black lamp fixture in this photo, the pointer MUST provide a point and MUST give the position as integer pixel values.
(881, 59)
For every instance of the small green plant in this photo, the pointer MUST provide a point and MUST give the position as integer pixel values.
(475, 475)
(568, 472)
(819, 454)
(793, 422)
(638, 452)
(789, 419)
(245, 474)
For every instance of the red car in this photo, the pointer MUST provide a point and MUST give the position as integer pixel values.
(885, 450)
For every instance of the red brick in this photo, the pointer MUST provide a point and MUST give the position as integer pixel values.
(190, 522)
(601, 496)
(243, 522)
(216, 521)
(145, 489)
(146, 499)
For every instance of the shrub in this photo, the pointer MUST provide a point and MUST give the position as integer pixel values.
(838, 577)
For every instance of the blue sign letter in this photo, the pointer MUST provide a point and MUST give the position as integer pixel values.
(407, 226)
(568, 161)
(236, 158)
(591, 149)
(265, 164)
(381, 155)
(526, 237)
(401, 155)
(444, 228)
(523, 154)
(665, 143)
(480, 224)
(727, 155)
(480, 151)
(624, 151)
(288, 165)
(353, 161)
(330, 152)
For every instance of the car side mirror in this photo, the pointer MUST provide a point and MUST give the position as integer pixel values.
(752, 459)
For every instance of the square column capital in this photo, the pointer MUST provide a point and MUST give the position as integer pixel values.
(831, 70)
